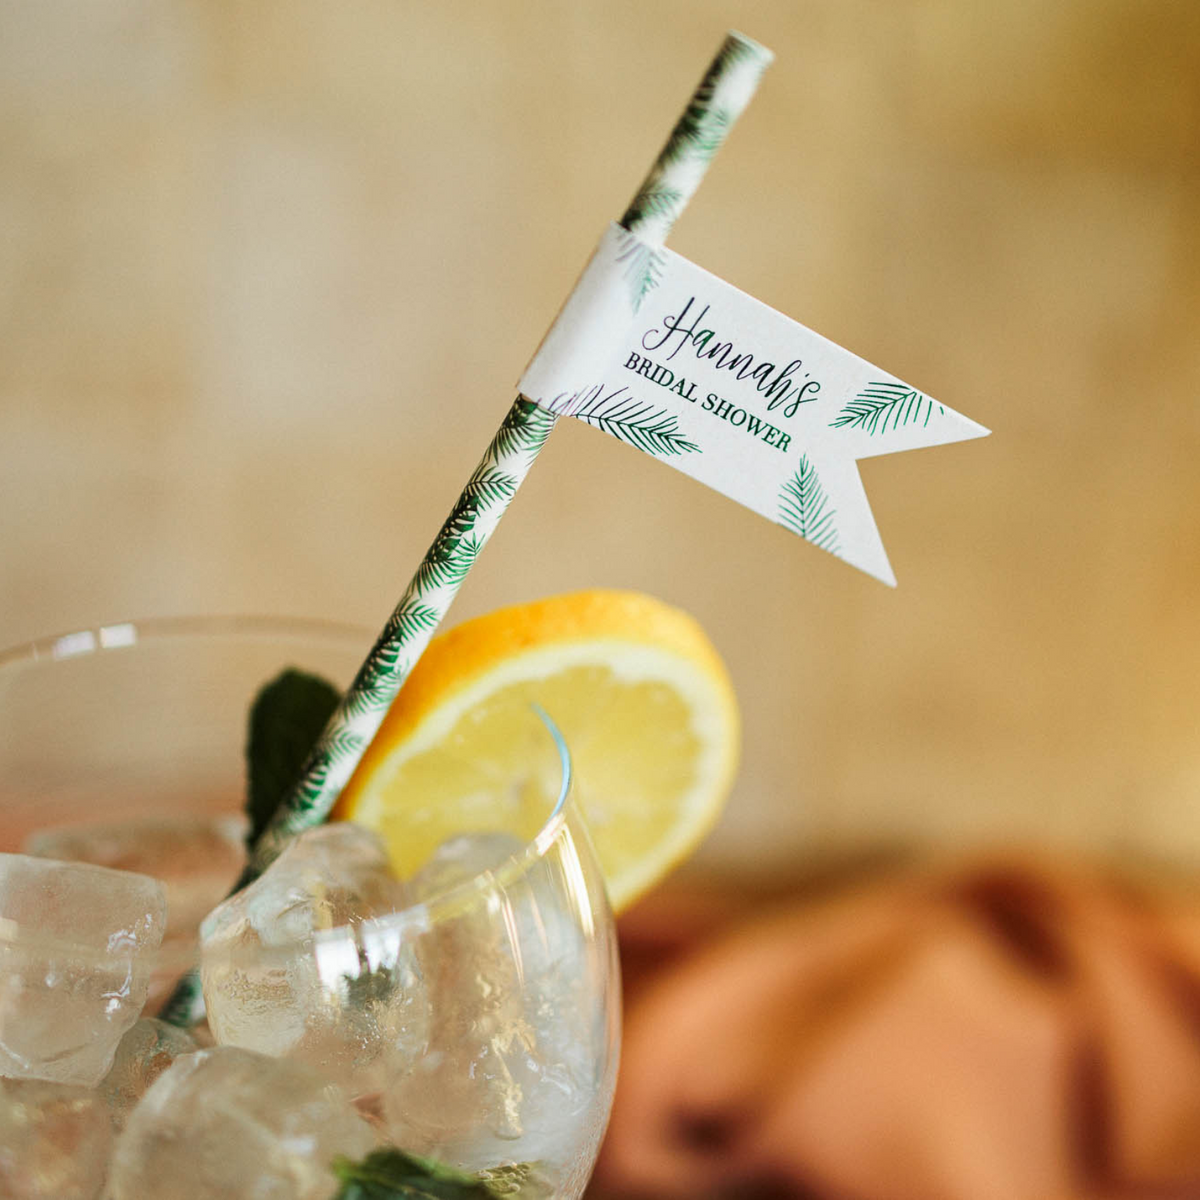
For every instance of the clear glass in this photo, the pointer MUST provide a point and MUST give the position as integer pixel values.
(477, 1024)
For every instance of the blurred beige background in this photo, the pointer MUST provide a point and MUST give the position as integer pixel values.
(269, 271)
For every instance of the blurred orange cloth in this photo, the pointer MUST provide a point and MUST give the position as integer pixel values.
(1011, 1029)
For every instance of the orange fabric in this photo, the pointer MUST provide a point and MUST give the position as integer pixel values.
(1004, 1030)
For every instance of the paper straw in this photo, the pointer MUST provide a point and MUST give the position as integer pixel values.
(717, 102)
(720, 98)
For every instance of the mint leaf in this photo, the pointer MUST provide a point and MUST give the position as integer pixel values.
(286, 719)
(390, 1174)
(372, 985)
(523, 1180)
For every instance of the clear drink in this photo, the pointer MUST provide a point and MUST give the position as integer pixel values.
(469, 1014)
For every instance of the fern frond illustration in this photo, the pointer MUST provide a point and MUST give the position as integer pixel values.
(702, 128)
(655, 199)
(653, 430)
(524, 428)
(538, 424)
(407, 621)
(376, 681)
(804, 508)
(699, 133)
(882, 405)
(442, 563)
(306, 799)
(490, 486)
(341, 743)
(374, 685)
(643, 268)
(447, 564)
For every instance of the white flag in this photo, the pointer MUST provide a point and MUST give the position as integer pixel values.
(661, 354)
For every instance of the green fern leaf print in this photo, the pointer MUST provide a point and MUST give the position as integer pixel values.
(880, 406)
(652, 430)
(804, 508)
(643, 268)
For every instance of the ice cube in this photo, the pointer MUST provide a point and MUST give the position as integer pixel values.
(508, 1068)
(76, 944)
(329, 876)
(461, 858)
(230, 1124)
(143, 1054)
(54, 1141)
(196, 858)
(273, 983)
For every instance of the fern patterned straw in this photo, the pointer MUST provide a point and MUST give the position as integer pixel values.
(723, 93)
(718, 101)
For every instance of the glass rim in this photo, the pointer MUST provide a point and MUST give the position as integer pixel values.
(371, 932)
(122, 635)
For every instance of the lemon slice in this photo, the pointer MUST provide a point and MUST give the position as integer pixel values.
(637, 689)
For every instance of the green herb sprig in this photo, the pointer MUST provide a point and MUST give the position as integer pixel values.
(391, 1174)
(286, 720)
